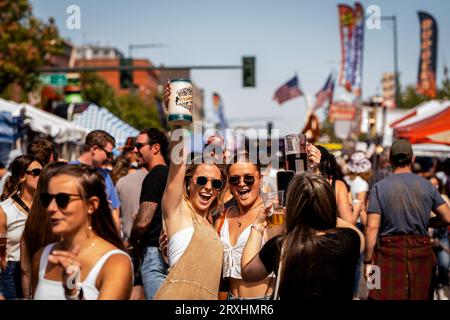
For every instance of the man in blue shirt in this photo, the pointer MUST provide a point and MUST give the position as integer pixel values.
(98, 148)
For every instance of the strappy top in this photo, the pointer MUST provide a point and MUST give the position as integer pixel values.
(53, 290)
(232, 255)
(15, 224)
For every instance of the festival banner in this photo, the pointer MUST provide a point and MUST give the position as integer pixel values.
(341, 111)
(426, 80)
(218, 107)
(346, 26)
(358, 47)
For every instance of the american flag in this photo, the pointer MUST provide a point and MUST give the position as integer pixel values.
(326, 93)
(288, 91)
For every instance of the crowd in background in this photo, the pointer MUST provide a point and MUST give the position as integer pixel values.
(143, 226)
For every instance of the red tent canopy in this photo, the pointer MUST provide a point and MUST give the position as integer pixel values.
(431, 127)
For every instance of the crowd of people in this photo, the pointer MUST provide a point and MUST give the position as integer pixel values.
(145, 226)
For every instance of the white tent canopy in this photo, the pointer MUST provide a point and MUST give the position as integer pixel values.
(44, 122)
(96, 118)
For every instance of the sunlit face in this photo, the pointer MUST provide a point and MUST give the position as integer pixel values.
(76, 215)
(245, 193)
(100, 154)
(202, 197)
(143, 148)
(31, 179)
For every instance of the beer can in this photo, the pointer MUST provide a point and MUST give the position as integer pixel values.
(180, 101)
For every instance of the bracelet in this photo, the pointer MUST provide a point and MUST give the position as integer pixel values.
(368, 262)
(258, 228)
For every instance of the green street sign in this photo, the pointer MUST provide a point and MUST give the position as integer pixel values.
(55, 80)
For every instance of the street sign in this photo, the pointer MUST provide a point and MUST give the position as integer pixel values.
(55, 80)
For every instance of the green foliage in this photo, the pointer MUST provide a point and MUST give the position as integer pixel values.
(409, 98)
(25, 43)
(130, 108)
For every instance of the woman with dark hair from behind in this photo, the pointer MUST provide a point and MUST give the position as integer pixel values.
(316, 257)
(330, 169)
(38, 232)
(89, 248)
(17, 200)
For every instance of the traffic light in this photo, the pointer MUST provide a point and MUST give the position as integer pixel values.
(126, 76)
(248, 72)
(389, 89)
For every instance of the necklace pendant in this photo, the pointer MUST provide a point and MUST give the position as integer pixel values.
(239, 224)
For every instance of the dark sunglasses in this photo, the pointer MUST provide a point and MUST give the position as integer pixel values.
(248, 180)
(109, 155)
(216, 183)
(62, 199)
(35, 172)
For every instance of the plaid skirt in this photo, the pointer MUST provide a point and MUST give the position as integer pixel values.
(407, 264)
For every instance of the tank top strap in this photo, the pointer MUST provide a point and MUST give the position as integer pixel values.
(93, 273)
(44, 260)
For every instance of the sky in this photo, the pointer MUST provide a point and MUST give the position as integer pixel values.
(287, 37)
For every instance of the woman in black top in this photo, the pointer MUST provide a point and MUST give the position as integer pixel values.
(319, 250)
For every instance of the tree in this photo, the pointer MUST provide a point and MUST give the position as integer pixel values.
(130, 108)
(25, 44)
(409, 98)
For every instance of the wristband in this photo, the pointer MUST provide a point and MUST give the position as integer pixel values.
(258, 228)
(368, 262)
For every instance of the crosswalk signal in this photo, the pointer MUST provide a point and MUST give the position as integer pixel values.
(248, 72)
(126, 76)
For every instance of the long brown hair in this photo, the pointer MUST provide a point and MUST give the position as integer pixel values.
(38, 232)
(310, 207)
(91, 183)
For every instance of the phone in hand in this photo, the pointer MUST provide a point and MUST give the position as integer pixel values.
(283, 179)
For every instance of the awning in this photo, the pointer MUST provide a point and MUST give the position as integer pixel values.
(44, 122)
(428, 123)
(96, 118)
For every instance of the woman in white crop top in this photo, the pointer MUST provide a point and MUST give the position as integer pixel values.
(18, 197)
(89, 262)
(235, 225)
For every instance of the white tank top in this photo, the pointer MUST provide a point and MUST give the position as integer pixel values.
(15, 223)
(53, 290)
(178, 244)
(232, 255)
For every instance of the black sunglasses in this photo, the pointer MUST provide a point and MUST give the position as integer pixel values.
(109, 155)
(34, 172)
(62, 199)
(216, 183)
(248, 180)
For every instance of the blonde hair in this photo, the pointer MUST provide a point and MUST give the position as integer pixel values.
(218, 203)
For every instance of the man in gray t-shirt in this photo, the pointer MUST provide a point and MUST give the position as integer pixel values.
(405, 201)
(398, 218)
(129, 190)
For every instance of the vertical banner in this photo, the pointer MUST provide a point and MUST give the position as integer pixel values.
(358, 47)
(346, 26)
(426, 80)
(218, 107)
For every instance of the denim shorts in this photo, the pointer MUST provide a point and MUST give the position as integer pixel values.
(11, 281)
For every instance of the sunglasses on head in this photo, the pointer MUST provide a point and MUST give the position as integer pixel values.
(248, 180)
(202, 181)
(109, 155)
(34, 172)
(62, 199)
